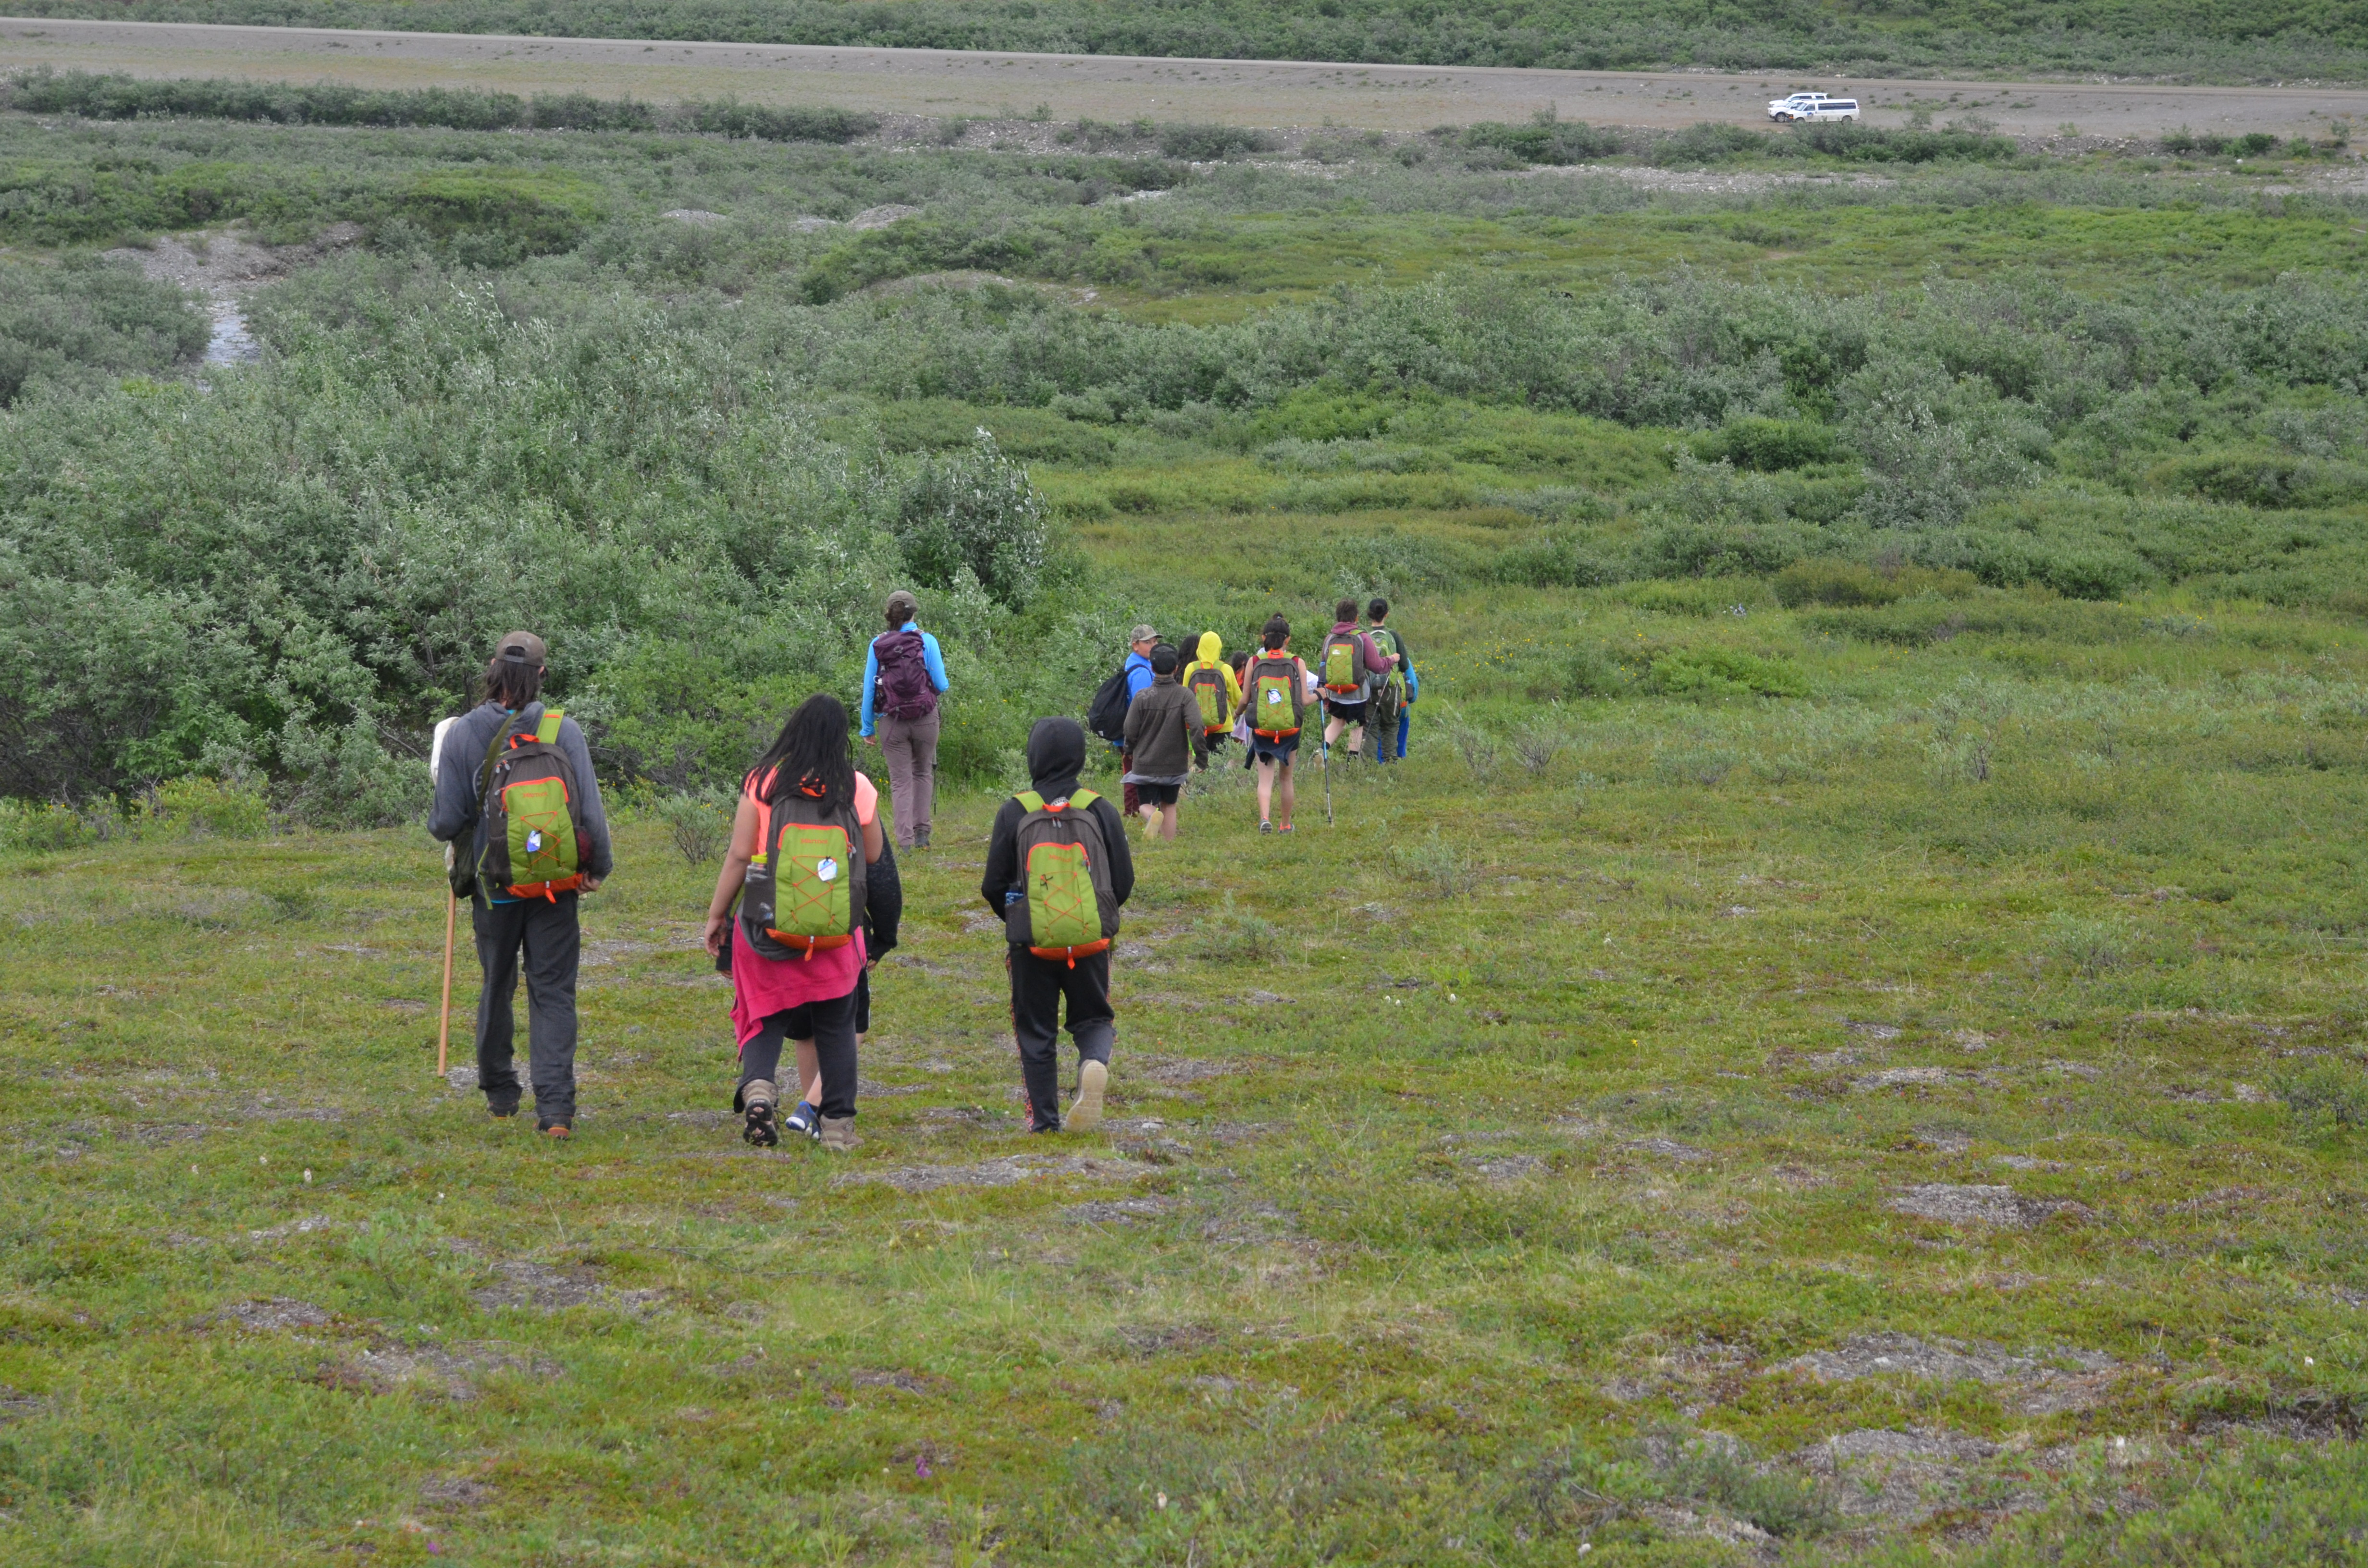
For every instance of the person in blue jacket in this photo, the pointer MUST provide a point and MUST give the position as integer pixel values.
(904, 675)
(1139, 676)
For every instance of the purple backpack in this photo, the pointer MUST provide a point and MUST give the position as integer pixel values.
(905, 692)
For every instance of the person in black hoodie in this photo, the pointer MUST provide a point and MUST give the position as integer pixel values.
(1057, 751)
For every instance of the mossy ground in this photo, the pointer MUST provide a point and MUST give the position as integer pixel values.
(1533, 1156)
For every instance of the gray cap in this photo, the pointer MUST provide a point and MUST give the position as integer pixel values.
(1143, 634)
(521, 648)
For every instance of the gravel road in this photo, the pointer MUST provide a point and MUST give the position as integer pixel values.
(1119, 87)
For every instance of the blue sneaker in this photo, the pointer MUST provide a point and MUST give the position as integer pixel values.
(805, 1119)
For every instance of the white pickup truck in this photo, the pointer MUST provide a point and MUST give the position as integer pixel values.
(1811, 105)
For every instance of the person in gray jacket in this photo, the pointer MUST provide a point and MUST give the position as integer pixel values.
(538, 935)
(1164, 738)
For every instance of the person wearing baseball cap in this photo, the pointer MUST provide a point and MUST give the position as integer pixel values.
(1139, 676)
(522, 926)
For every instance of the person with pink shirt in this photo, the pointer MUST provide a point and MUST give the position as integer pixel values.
(808, 999)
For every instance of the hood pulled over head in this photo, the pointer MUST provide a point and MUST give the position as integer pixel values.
(1056, 754)
(1211, 649)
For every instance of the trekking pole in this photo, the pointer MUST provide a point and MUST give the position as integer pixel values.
(1328, 783)
(444, 1023)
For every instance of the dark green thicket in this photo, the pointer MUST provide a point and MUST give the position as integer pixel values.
(2189, 38)
(69, 325)
(334, 102)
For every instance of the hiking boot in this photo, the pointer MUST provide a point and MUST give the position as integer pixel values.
(920, 838)
(756, 1096)
(1086, 1114)
(839, 1133)
(556, 1130)
(501, 1110)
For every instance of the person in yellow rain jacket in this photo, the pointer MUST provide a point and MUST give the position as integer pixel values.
(1214, 688)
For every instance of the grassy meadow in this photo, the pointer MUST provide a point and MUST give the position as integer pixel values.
(1842, 1043)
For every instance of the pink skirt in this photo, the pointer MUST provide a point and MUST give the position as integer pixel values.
(763, 986)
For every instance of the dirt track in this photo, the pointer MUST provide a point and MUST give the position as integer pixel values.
(1119, 87)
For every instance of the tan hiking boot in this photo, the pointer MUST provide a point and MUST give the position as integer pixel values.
(839, 1133)
(1086, 1114)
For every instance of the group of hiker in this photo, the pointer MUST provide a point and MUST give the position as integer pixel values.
(809, 897)
(1167, 717)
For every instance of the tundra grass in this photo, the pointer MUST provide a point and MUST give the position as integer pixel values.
(1917, 1117)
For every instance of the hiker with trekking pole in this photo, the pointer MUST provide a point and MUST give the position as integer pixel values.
(904, 675)
(1348, 668)
(516, 801)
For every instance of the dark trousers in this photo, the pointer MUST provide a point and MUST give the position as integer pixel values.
(1037, 987)
(1129, 798)
(540, 937)
(831, 1026)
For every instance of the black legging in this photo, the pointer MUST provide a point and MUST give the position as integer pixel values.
(832, 1024)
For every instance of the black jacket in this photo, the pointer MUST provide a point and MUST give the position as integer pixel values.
(1057, 751)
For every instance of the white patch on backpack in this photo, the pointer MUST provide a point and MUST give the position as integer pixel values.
(826, 870)
(534, 841)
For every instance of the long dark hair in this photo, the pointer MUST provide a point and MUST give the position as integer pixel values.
(812, 754)
(512, 682)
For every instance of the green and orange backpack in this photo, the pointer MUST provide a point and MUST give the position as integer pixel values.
(1208, 687)
(1068, 910)
(804, 891)
(1342, 664)
(1278, 701)
(533, 809)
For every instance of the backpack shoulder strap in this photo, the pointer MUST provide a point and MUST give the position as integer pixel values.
(1082, 798)
(1029, 802)
(547, 731)
(485, 771)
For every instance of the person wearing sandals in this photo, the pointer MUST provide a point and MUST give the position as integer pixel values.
(803, 811)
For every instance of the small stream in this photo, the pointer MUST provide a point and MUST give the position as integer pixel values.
(232, 344)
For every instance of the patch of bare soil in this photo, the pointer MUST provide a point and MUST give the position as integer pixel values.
(1176, 1072)
(902, 1381)
(1120, 1211)
(271, 1314)
(455, 1491)
(1169, 1339)
(1006, 1172)
(450, 1371)
(2044, 1383)
(1982, 1204)
(535, 1286)
(1895, 1475)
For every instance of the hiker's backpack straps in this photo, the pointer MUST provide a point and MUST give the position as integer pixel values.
(1343, 664)
(534, 813)
(547, 731)
(1208, 686)
(1066, 909)
(806, 888)
(1277, 697)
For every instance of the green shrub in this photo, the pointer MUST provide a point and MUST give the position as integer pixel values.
(1444, 868)
(200, 807)
(1711, 672)
(1770, 446)
(37, 827)
(1214, 144)
(1830, 582)
(974, 514)
(2275, 480)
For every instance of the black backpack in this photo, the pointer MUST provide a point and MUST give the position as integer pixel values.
(1107, 716)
